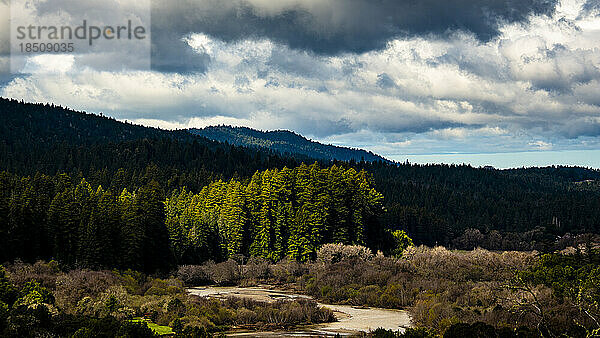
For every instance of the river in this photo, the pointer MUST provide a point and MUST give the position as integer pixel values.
(350, 319)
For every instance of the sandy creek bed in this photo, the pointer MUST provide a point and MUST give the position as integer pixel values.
(350, 319)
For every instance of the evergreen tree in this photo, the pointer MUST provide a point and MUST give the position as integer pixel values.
(64, 220)
(234, 219)
(253, 193)
(265, 233)
(177, 224)
(274, 214)
(103, 237)
(85, 203)
(5, 189)
(149, 210)
(131, 234)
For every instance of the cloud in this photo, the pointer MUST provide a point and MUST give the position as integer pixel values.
(541, 145)
(532, 86)
(327, 27)
(116, 54)
(335, 26)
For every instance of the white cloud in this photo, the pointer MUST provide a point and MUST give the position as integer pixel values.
(541, 145)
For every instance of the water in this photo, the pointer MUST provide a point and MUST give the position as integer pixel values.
(350, 319)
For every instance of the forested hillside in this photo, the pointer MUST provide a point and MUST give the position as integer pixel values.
(456, 206)
(284, 142)
(39, 138)
(466, 207)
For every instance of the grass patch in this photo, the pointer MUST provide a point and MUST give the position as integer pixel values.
(157, 329)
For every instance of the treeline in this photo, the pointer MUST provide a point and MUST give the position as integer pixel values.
(277, 213)
(56, 217)
(436, 204)
(49, 139)
(284, 142)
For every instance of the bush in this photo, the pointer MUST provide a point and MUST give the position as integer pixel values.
(225, 273)
(333, 253)
(193, 275)
(483, 330)
(77, 284)
(8, 292)
(288, 270)
(42, 272)
(257, 269)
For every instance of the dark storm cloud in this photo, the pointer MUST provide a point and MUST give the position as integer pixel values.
(581, 127)
(423, 125)
(592, 6)
(297, 62)
(171, 54)
(331, 27)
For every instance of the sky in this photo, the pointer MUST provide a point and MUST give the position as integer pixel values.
(507, 83)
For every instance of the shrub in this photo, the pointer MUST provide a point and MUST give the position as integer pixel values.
(257, 269)
(8, 292)
(245, 316)
(42, 272)
(225, 273)
(333, 253)
(34, 294)
(288, 270)
(176, 325)
(77, 284)
(193, 275)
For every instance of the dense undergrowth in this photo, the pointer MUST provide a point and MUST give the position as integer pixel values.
(40, 300)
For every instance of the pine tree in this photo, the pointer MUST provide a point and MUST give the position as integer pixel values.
(85, 203)
(299, 244)
(265, 233)
(253, 195)
(284, 221)
(5, 189)
(338, 216)
(200, 233)
(132, 234)
(216, 235)
(283, 183)
(149, 209)
(64, 221)
(176, 224)
(21, 225)
(234, 219)
(104, 237)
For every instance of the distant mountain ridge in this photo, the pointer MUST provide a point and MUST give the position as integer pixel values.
(285, 142)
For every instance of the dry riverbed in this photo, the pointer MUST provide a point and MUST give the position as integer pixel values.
(350, 319)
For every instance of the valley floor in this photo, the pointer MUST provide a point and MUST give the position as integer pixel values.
(350, 319)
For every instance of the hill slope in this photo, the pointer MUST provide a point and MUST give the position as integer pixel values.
(49, 139)
(285, 142)
(460, 206)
